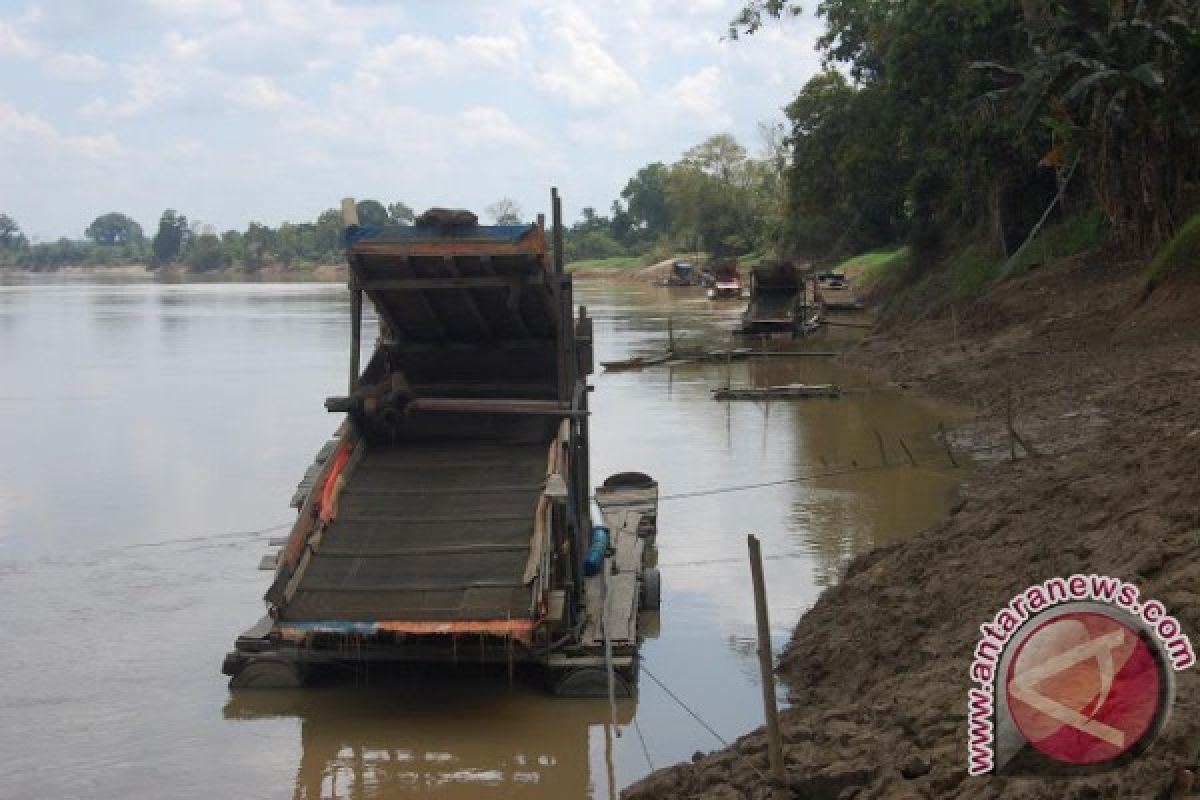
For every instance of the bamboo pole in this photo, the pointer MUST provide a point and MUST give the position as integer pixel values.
(766, 666)
(882, 452)
(946, 444)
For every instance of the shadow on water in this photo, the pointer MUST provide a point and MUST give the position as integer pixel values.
(463, 734)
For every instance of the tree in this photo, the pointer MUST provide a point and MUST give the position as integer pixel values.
(233, 243)
(172, 238)
(400, 214)
(645, 197)
(329, 234)
(590, 221)
(114, 228)
(1110, 84)
(719, 156)
(11, 237)
(622, 227)
(846, 190)
(206, 253)
(504, 211)
(371, 212)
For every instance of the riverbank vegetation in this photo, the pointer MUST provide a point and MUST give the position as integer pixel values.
(958, 128)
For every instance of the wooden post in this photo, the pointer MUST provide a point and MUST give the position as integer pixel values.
(671, 335)
(729, 364)
(766, 666)
(1012, 439)
(882, 452)
(356, 308)
(556, 212)
(349, 212)
(946, 444)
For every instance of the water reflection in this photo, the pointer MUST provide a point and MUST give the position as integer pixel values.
(461, 736)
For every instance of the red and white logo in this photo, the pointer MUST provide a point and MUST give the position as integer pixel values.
(1084, 688)
(1074, 674)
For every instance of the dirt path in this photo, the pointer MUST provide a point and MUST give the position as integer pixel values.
(1106, 389)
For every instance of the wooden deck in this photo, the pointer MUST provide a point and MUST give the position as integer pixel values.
(614, 607)
(428, 531)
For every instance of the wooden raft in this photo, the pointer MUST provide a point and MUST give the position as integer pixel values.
(624, 509)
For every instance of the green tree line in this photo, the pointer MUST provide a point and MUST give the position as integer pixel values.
(115, 239)
(939, 121)
(714, 198)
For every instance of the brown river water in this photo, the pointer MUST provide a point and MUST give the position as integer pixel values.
(154, 434)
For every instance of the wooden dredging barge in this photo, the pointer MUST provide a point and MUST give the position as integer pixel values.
(779, 301)
(450, 520)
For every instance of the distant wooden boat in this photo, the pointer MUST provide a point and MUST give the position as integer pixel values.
(678, 357)
(835, 293)
(636, 362)
(797, 390)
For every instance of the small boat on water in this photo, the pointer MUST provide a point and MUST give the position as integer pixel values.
(835, 293)
(787, 390)
(683, 273)
(726, 283)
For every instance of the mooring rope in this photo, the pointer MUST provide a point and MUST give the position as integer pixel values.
(700, 719)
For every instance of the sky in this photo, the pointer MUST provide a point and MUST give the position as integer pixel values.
(232, 111)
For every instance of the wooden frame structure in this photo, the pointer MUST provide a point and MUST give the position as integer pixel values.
(449, 517)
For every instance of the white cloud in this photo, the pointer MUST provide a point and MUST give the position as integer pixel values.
(202, 9)
(79, 66)
(408, 57)
(76, 66)
(492, 127)
(20, 130)
(259, 93)
(578, 69)
(13, 44)
(148, 82)
(699, 94)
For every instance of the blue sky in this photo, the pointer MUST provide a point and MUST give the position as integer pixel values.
(272, 110)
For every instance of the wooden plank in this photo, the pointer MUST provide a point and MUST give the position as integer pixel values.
(469, 299)
(269, 562)
(425, 284)
(623, 510)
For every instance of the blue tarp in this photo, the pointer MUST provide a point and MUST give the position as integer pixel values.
(414, 233)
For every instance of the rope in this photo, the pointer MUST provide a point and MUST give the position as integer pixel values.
(698, 718)
(780, 482)
(211, 536)
(642, 739)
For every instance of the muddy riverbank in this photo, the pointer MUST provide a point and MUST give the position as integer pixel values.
(1103, 379)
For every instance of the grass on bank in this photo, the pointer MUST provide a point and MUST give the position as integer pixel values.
(1179, 255)
(867, 268)
(975, 265)
(971, 267)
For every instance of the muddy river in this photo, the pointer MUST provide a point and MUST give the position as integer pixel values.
(154, 434)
